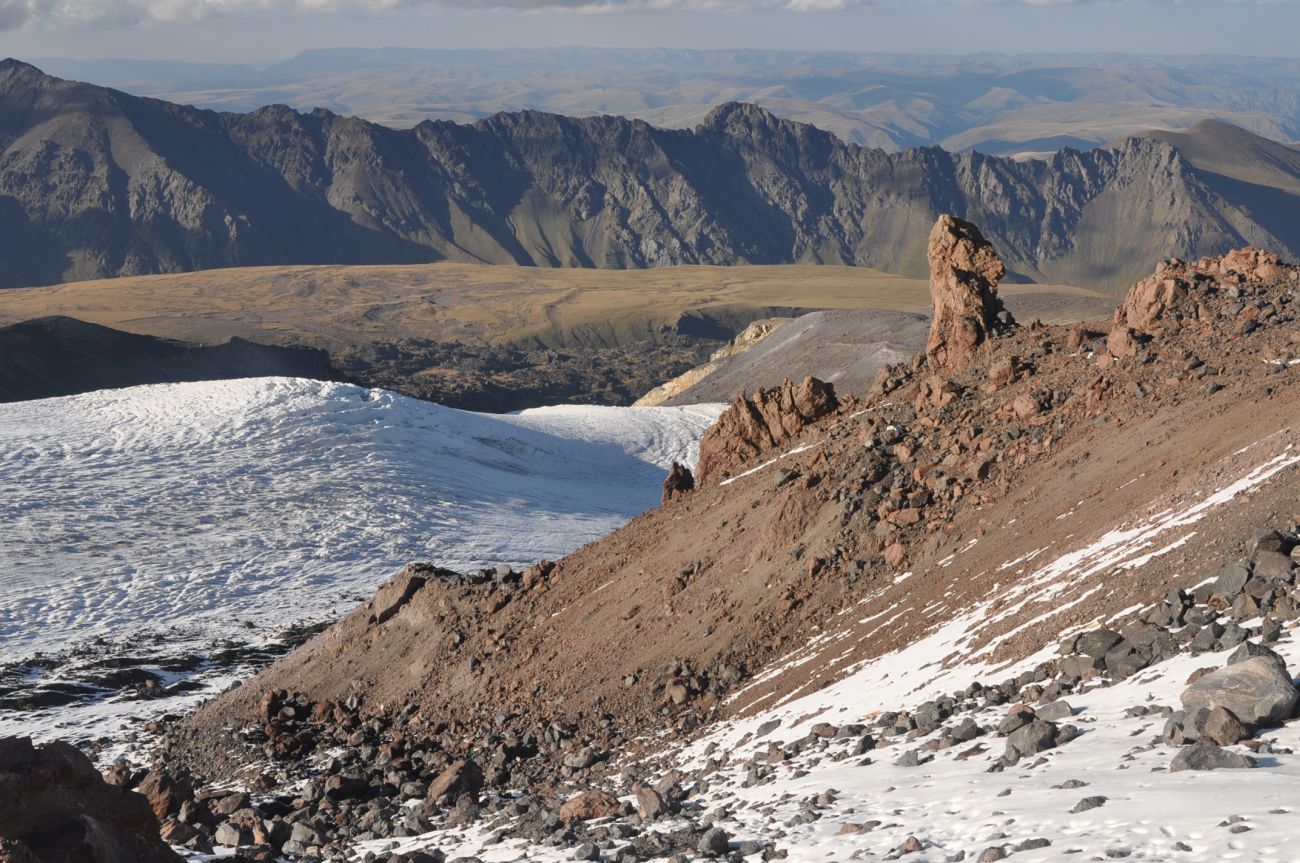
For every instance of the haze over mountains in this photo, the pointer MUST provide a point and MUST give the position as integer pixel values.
(94, 182)
(989, 102)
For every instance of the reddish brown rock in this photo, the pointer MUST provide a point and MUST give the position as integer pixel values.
(536, 574)
(753, 426)
(1159, 300)
(1026, 406)
(1005, 372)
(679, 482)
(1121, 342)
(964, 275)
(54, 805)
(165, 792)
(590, 805)
(462, 777)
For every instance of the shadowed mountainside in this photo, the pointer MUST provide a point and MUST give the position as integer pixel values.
(61, 356)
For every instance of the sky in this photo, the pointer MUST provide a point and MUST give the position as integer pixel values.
(255, 31)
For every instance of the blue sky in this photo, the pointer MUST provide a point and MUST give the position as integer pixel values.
(263, 30)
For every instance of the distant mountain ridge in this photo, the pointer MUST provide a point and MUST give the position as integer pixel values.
(94, 182)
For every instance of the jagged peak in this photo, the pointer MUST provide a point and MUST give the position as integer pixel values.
(730, 114)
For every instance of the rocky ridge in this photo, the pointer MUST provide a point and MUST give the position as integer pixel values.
(172, 189)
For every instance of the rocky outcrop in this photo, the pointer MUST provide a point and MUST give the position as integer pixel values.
(964, 276)
(758, 424)
(1174, 295)
(55, 806)
(59, 356)
(679, 481)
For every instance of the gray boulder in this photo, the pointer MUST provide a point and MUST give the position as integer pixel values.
(1255, 690)
(1056, 710)
(1223, 728)
(1273, 564)
(1030, 739)
(1204, 755)
(1249, 649)
(1231, 581)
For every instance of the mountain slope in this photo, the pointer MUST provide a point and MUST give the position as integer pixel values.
(94, 182)
(1063, 477)
(60, 356)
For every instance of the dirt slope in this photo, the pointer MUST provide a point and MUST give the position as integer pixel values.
(906, 512)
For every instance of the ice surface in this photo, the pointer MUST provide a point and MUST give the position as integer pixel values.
(274, 499)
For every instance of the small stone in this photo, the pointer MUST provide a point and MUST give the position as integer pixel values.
(1089, 803)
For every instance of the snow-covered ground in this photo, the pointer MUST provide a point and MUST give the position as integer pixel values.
(207, 510)
(957, 809)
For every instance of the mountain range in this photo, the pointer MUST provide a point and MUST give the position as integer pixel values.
(994, 103)
(95, 182)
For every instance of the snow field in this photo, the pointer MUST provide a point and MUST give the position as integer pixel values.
(272, 499)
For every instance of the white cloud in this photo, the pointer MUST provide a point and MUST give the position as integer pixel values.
(56, 14)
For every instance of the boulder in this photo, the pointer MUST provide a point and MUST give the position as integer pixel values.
(1231, 581)
(589, 805)
(54, 805)
(1249, 649)
(166, 792)
(1097, 642)
(1204, 755)
(1056, 710)
(1030, 739)
(1221, 726)
(1255, 690)
(462, 777)
(964, 275)
(649, 802)
(714, 843)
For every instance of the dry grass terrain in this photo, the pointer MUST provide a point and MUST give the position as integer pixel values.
(337, 306)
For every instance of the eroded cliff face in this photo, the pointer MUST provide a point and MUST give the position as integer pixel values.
(95, 183)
